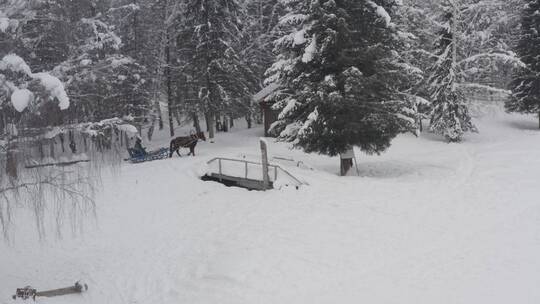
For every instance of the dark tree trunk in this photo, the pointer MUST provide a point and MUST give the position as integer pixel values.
(219, 127)
(168, 75)
(249, 121)
(160, 117)
(41, 151)
(62, 142)
(207, 121)
(150, 132)
(224, 124)
(72, 144)
(196, 122)
(346, 161)
(52, 148)
(2, 123)
(211, 116)
(346, 165)
(210, 119)
(85, 143)
(11, 162)
(135, 31)
(178, 117)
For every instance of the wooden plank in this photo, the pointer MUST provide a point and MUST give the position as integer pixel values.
(61, 164)
(241, 182)
(77, 288)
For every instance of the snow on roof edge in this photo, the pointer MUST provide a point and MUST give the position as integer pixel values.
(269, 89)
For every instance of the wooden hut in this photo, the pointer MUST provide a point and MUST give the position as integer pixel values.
(269, 114)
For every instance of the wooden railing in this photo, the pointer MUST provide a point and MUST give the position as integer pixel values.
(246, 163)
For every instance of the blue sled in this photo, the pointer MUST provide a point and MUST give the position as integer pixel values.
(139, 157)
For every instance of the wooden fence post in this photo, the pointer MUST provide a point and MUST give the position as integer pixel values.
(264, 153)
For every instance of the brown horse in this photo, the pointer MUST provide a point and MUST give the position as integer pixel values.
(186, 142)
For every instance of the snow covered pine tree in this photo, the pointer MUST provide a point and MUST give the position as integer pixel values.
(338, 71)
(450, 116)
(470, 60)
(526, 83)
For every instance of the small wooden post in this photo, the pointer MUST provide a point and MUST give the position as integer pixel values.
(264, 153)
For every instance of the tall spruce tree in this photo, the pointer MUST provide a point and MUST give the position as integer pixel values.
(480, 34)
(450, 116)
(339, 75)
(526, 83)
(224, 82)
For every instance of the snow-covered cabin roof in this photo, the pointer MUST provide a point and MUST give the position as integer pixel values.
(269, 89)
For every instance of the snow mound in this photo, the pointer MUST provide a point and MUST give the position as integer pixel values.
(383, 14)
(21, 99)
(4, 24)
(55, 87)
(14, 63)
(310, 50)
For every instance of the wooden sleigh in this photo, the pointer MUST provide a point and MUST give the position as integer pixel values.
(137, 157)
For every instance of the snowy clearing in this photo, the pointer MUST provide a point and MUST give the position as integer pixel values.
(427, 222)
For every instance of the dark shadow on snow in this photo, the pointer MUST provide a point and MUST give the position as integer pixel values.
(524, 125)
(397, 169)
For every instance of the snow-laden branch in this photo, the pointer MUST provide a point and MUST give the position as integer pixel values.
(102, 34)
(475, 7)
(131, 6)
(504, 57)
(293, 19)
(21, 97)
(424, 52)
(381, 12)
(172, 16)
(483, 87)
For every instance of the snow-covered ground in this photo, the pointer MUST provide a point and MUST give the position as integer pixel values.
(427, 222)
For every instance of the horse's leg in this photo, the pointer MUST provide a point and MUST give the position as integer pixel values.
(178, 152)
(192, 149)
